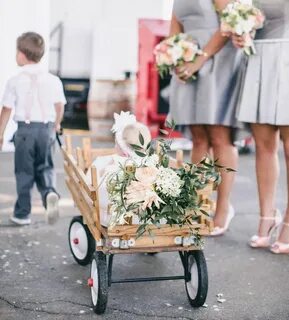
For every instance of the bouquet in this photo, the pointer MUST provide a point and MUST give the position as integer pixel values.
(241, 17)
(156, 193)
(175, 51)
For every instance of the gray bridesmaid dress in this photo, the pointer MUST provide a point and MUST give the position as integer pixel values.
(264, 94)
(212, 98)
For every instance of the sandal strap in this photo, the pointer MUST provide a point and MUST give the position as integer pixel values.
(268, 218)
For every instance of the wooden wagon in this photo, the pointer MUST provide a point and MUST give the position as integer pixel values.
(90, 242)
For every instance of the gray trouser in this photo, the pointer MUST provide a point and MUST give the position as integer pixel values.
(34, 146)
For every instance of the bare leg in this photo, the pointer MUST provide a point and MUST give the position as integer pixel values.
(267, 170)
(284, 234)
(227, 154)
(200, 143)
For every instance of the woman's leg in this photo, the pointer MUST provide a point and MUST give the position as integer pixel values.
(200, 143)
(267, 171)
(227, 154)
(284, 235)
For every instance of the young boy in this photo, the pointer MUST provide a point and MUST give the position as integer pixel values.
(38, 100)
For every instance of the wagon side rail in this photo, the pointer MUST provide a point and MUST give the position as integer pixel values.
(83, 191)
(85, 195)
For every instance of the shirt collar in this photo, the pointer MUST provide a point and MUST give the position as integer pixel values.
(32, 68)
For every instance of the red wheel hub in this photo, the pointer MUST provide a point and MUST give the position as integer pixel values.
(90, 282)
(76, 241)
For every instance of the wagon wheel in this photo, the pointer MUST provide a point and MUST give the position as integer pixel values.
(98, 282)
(81, 242)
(196, 281)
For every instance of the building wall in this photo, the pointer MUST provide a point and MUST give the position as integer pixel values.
(16, 17)
(78, 18)
(100, 36)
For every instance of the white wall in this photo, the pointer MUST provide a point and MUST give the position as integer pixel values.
(115, 40)
(16, 17)
(78, 18)
(100, 36)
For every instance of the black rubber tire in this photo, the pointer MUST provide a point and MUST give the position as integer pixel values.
(90, 240)
(198, 258)
(102, 295)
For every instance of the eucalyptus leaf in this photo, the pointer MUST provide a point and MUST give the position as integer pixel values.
(165, 132)
(140, 154)
(136, 147)
(141, 139)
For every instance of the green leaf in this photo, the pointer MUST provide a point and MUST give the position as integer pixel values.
(168, 124)
(173, 124)
(140, 154)
(136, 147)
(205, 213)
(165, 132)
(141, 139)
(151, 151)
(149, 145)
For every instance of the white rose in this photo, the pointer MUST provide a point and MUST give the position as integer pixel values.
(176, 54)
(247, 2)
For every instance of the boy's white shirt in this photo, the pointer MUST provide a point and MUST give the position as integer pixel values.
(44, 92)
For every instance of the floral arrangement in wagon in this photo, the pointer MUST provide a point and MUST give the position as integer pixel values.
(157, 193)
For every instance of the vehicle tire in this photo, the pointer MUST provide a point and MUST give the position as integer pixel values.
(81, 241)
(99, 282)
(197, 278)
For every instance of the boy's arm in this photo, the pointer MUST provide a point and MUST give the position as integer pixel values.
(4, 118)
(59, 109)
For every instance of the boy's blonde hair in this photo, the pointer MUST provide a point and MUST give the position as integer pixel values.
(32, 45)
(132, 132)
(128, 131)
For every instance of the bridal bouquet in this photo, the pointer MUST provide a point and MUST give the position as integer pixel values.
(241, 17)
(175, 51)
(156, 193)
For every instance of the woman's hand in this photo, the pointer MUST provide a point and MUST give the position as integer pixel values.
(188, 69)
(238, 41)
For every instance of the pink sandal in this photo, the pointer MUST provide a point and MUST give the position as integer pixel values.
(264, 242)
(280, 247)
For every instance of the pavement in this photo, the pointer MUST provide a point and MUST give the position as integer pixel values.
(40, 280)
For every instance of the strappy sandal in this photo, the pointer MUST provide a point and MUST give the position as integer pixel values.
(264, 242)
(280, 247)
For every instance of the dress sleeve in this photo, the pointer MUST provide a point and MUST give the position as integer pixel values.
(59, 96)
(9, 96)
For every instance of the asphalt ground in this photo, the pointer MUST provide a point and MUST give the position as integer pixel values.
(40, 280)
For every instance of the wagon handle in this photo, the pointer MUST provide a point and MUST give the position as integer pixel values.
(58, 134)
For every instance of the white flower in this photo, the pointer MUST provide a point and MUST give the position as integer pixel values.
(122, 120)
(245, 26)
(168, 182)
(139, 192)
(152, 161)
(247, 2)
(176, 53)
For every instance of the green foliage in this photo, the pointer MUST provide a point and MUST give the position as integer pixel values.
(182, 209)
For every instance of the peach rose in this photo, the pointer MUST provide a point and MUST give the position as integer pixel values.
(146, 175)
(138, 192)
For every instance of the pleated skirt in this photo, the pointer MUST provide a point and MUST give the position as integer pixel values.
(212, 98)
(264, 90)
